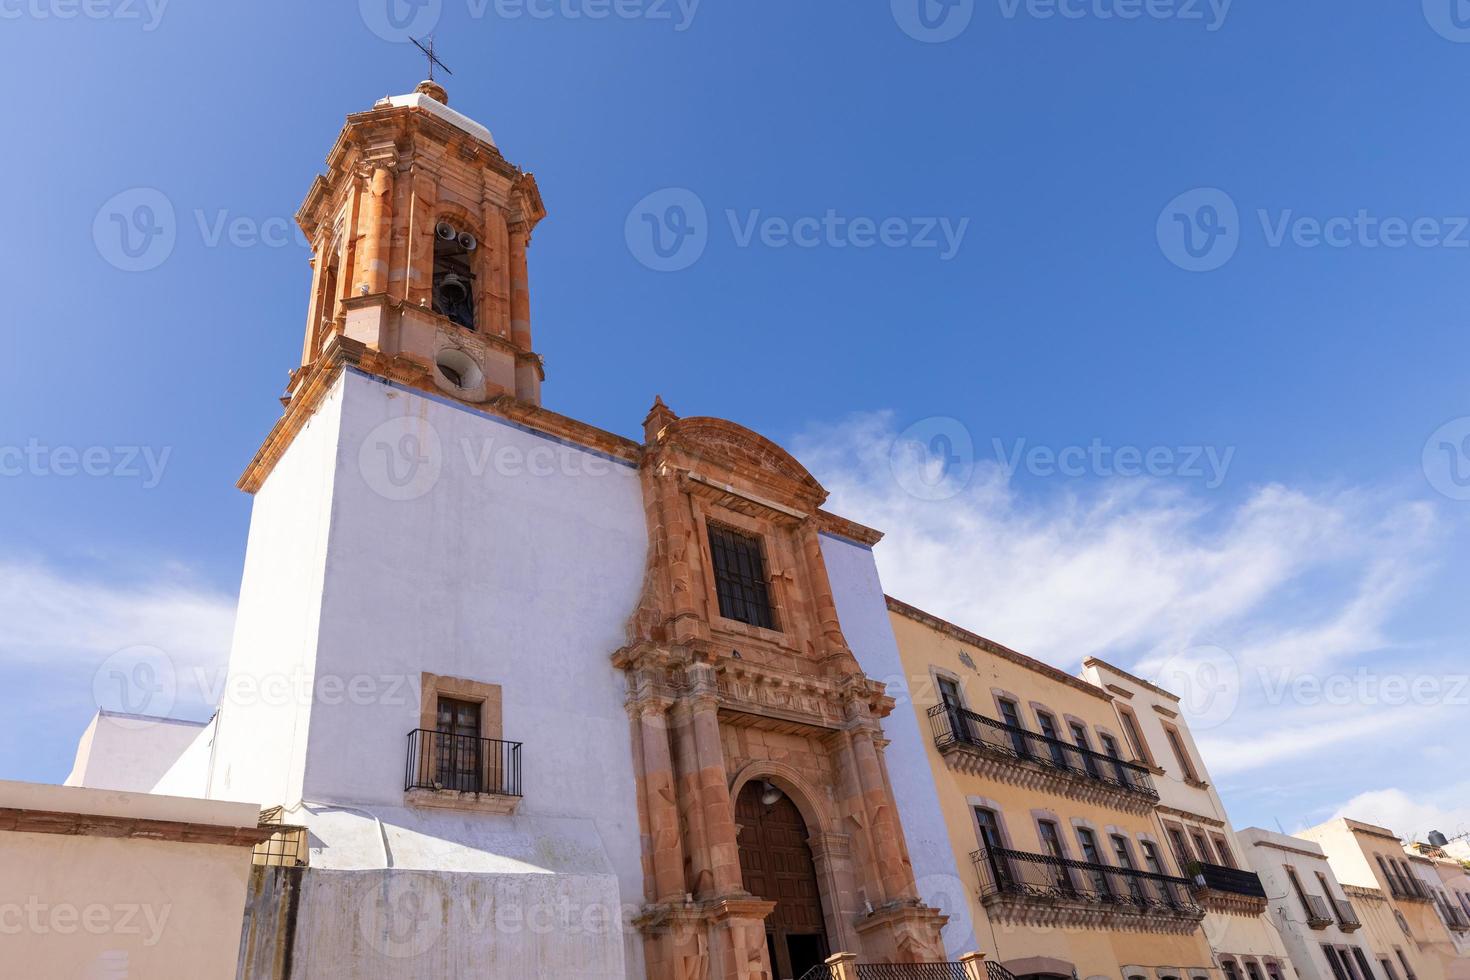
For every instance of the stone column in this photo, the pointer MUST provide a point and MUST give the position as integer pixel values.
(492, 305)
(377, 232)
(973, 965)
(896, 876)
(420, 288)
(665, 841)
(850, 796)
(721, 834)
(520, 286)
(844, 966)
(826, 606)
(687, 767)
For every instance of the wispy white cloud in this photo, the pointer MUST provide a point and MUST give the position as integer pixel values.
(1282, 583)
(57, 619)
(1412, 816)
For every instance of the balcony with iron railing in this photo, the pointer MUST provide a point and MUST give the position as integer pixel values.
(1347, 916)
(1225, 889)
(1015, 882)
(1319, 913)
(958, 731)
(1408, 888)
(462, 771)
(1455, 918)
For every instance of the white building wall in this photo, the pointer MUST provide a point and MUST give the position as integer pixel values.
(130, 753)
(1269, 854)
(260, 739)
(489, 553)
(863, 612)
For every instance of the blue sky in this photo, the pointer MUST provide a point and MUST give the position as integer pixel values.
(1313, 152)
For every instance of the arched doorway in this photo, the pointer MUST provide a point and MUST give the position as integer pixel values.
(776, 865)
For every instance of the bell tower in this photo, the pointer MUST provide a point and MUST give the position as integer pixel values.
(419, 231)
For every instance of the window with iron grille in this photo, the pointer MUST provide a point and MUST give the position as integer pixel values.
(740, 577)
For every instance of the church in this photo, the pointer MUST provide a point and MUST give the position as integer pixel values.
(571, 704)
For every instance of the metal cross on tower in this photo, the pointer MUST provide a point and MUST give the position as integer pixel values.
(433, 58)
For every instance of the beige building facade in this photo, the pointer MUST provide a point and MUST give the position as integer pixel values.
(1052, 825)
(98, 883)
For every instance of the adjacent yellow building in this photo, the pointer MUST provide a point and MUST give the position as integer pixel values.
(1051, 821)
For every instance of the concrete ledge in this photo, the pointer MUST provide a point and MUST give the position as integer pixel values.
(450, 799)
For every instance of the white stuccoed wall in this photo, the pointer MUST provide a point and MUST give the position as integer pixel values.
(506, 557)
(863, 612)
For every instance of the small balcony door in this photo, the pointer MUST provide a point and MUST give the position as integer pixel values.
(459, 750)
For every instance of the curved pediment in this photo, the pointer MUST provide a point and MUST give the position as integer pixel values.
(742, 450)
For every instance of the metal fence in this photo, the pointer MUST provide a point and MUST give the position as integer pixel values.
(910, 971)
(1007, 872)
(462, 763)
(957, 726)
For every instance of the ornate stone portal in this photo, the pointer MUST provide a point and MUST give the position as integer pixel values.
(716, 703)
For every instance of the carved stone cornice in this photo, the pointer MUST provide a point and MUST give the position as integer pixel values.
(1036, 911)
(974, 761)
(1230, 903)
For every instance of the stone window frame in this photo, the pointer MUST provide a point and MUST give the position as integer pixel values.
(1070, 720)
(1183, 830)
(462, 219)
(1223, 850)
(1179, 745)
(1007, 839)
(1142, 750)
(999, 694)
(777, 586)
(487, 695)
(1038, 814)
(1161, 850)
(937, 672)
(1097, 835)
(1039, 708)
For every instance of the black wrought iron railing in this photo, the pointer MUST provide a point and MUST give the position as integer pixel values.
(822, 971)
(1219, 878)
(996, 971)
(911, 971)
(1347, 916)
(1319, 915)
(1454, 918)
(1041, 876)
(462, 763)
(959, 726)
(1403, 886)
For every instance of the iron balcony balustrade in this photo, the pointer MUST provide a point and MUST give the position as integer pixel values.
(1347, 917)
(1402, 886)
(1319, 915)
(1454, 918)
(1043, 878)
(1219, 878)
(954, 726)
(440, 761)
